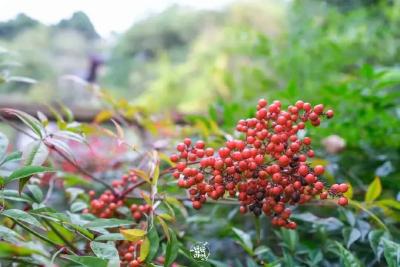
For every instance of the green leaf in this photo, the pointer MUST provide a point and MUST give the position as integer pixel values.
(27, 171)
(166, 216)
(88, 261)
(172, 249)
(346, 257)
(351, 235)
(23, 216)
(374, 190)
(391, 253)
(16, 155)
(156, 173)
(36, 192)
(390, 203)
(244, 238)
(144, 249)
(55, 227)
(7, 249)
(133, 234)
(110, 237)
(74, 179)
(154, 243)
(28, 120)
(68, 112)
(196, 263)
(35, 153)
(15, 196)
(290, 239)
(104, 250)
(81, 230)
(70, 136)
(164, 227)
(78, 206)
(107, 223)
(375, 241)
(73, 193)
(177, 204)
(3, 146)
(9, 235)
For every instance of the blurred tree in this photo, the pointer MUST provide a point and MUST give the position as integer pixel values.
(13, 27)
(81, 23)
(168, 33)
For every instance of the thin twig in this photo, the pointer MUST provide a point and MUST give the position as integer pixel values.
(130, 189)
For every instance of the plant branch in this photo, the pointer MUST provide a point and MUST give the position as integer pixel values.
(80, 169)
(170, 169)
(130, 189)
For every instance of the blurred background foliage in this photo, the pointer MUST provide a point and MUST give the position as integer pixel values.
(213, 66)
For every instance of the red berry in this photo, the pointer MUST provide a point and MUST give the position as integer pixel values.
(303, 170)
(187, 141)
(319, 186)
(137, 215)
(307, 141)
(329, 114)
(310, 178)
(343, 188)
(342, 201)
(181, 147)
(318, 109)
(243, 209)
(319, 169)
(128, 256)
(324, 195)
(284, 160)
(262, 103)
(196, 205)
(174, 158)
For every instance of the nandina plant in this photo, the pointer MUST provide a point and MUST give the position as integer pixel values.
(265, 169)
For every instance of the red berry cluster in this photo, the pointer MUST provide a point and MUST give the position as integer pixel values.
(129, 253)
(266, 169)
(138, 211)
(106, 205)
